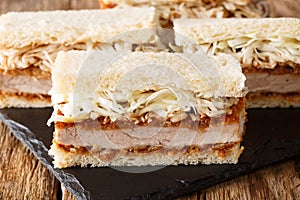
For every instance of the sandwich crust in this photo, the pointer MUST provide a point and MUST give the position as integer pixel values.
(219, 77)
(19, 100)
(211, 30)
(30, 71)
(67, 156)
(273, 100)
(47, 27)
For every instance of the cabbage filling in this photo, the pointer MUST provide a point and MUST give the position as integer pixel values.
(165, 103)
(169, 10)
(43, 56)
(258, 52)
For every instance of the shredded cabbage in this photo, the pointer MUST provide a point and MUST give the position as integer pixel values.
(170, 104)
(259, 52)
(41, 56)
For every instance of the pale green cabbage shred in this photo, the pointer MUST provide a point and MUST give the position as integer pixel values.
(167, 103)
(41, 56)
(259, 52)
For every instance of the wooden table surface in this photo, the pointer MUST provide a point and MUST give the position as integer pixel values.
(22, 176)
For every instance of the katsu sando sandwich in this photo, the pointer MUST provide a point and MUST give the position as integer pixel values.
(168, 10)
(29, 42)
(268, 50)
(148, 108)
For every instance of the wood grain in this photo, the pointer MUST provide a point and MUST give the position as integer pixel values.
(22, 176)
(90, 4)
(33, 5)
(275, 182)
(66, 195)
(284, 8)
(279, 181)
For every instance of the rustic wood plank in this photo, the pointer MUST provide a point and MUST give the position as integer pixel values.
(275, 182)
(84, 4)
(22, 176)
(66, 195)
(33, 5)
(284, 8)
(279, 181)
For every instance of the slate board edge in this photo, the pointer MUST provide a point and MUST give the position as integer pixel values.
(39, 150)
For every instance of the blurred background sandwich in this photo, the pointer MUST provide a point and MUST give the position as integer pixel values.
(168, 10)
(30, 41)
(268, 50)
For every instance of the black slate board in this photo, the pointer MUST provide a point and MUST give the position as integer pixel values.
(272, 135)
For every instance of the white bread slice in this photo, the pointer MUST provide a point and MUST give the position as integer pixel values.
(273, 100)
(19, 29)
(219, 76)
(65, 159)
(210, 30)
(24, 101)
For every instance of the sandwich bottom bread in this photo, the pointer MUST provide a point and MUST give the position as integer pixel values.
(146, 109)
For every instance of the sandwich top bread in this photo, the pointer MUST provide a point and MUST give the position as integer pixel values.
(80, 82)
(212, 30)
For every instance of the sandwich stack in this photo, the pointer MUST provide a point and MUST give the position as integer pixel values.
(149, 107)
(268, 50)
(27, 54)
(151, 117)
